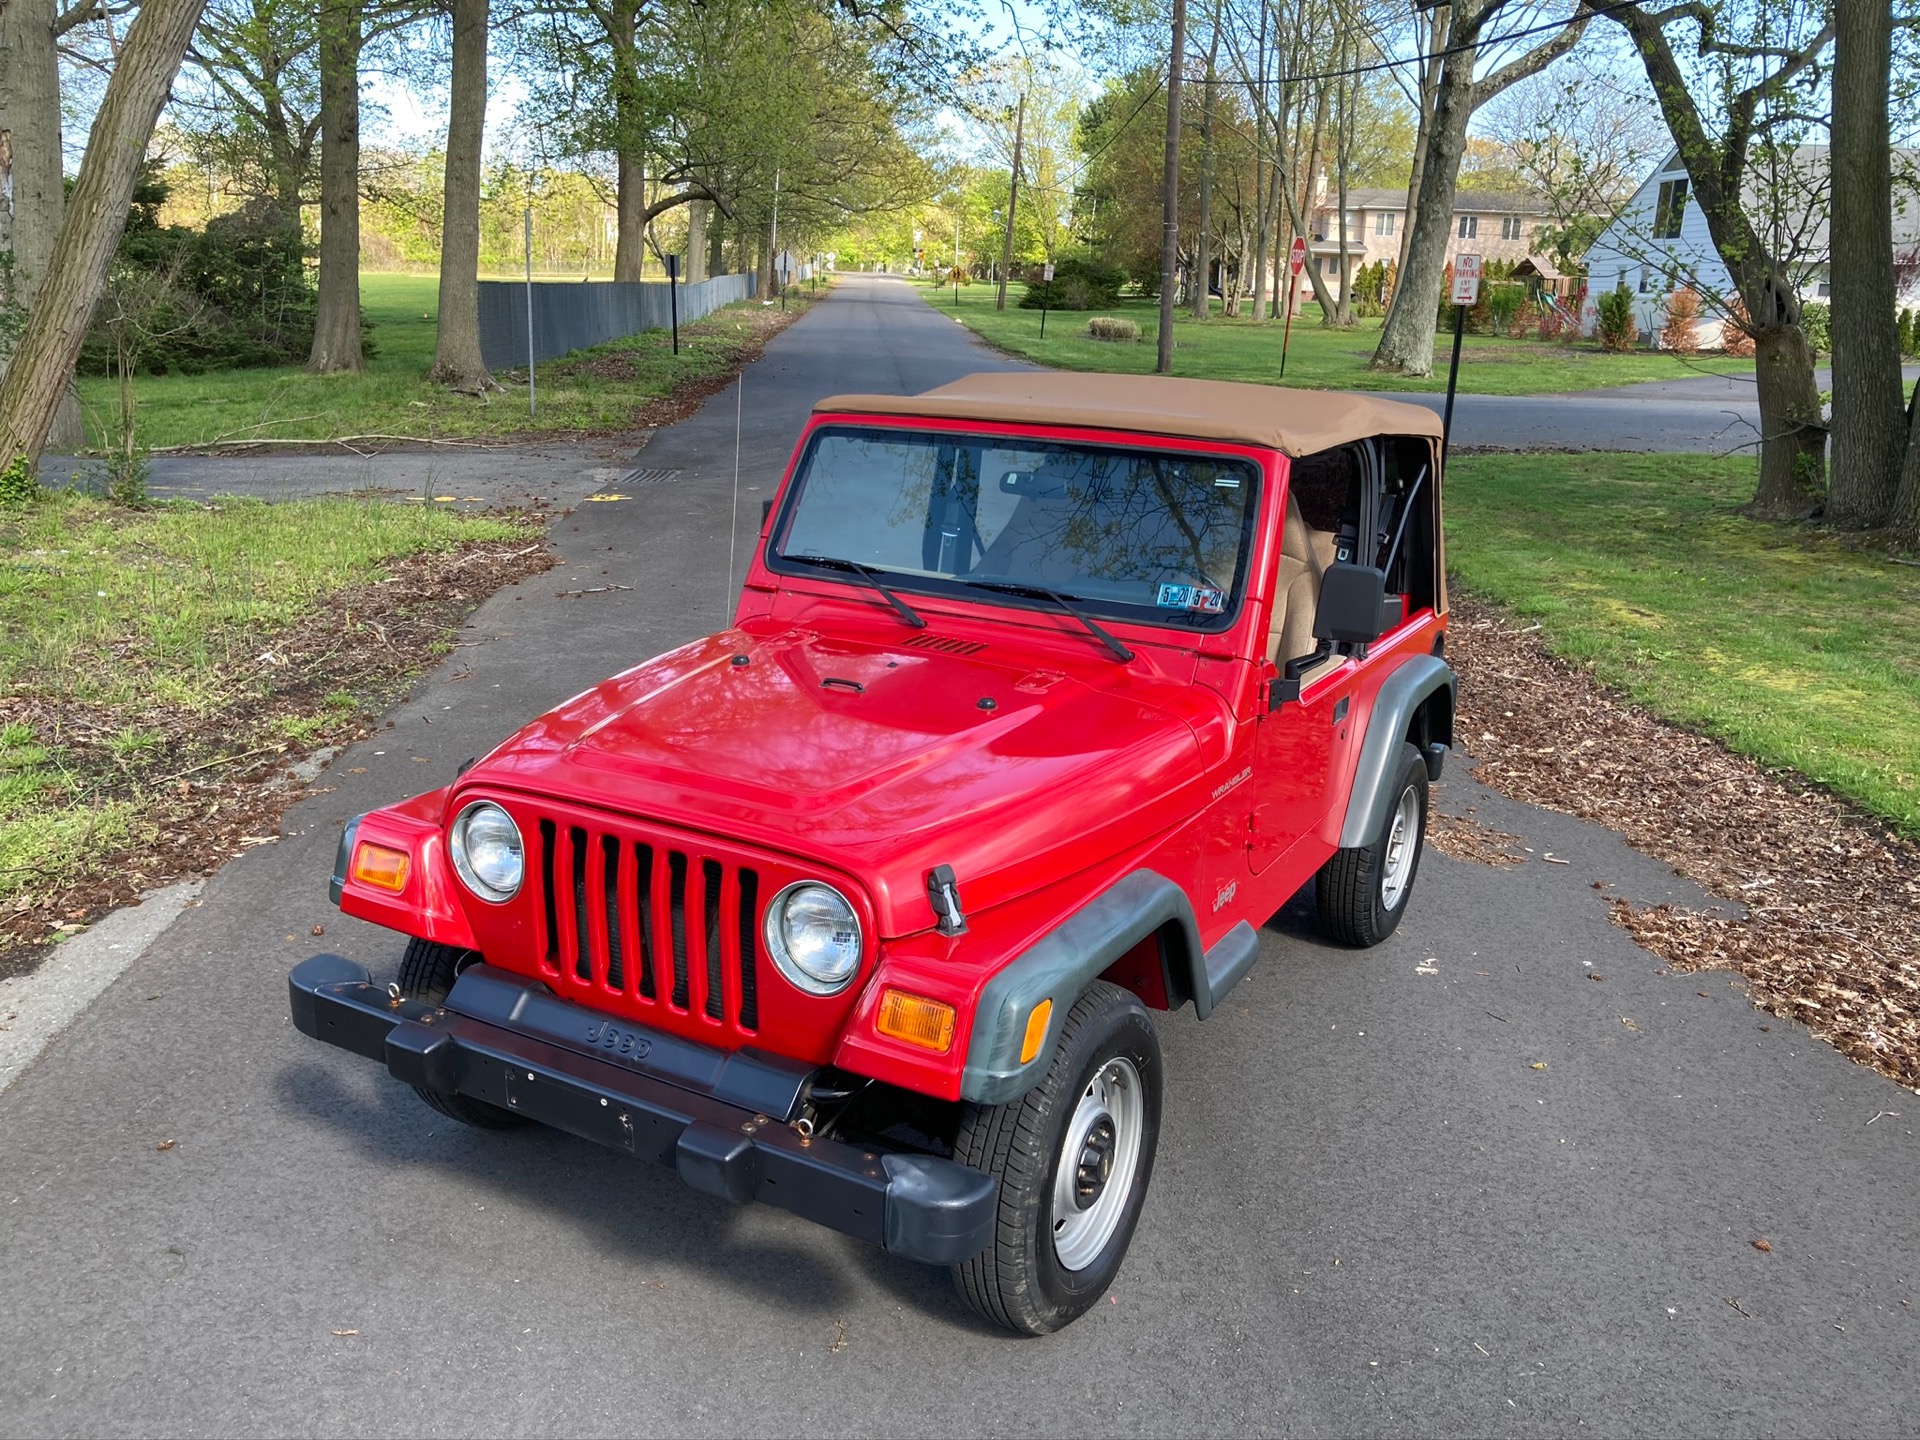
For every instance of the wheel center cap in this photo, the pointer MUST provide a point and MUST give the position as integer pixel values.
(1095, 1166)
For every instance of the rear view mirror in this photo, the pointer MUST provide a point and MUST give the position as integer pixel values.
(1353, 607)
(1014, 481)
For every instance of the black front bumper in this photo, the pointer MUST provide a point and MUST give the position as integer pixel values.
(722, 1120)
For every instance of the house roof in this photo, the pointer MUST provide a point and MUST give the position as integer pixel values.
(1294, 422)
(1469, 202)
(1787, 196)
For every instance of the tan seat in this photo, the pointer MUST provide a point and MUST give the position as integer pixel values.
(1305, 555)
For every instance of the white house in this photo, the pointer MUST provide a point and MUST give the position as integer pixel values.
(1658, 243)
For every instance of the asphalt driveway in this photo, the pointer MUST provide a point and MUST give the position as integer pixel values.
(1456, 1185)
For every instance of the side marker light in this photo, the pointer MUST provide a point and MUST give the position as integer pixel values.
(1036, 1031)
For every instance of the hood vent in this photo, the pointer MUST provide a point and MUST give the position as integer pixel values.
(943, 645)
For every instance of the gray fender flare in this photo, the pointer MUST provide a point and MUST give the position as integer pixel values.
(1077, 951)
(1394, 708)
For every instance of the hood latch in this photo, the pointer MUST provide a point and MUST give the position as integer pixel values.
(943, 892)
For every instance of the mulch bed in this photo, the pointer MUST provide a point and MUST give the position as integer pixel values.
(217, 782)
(1831, 896)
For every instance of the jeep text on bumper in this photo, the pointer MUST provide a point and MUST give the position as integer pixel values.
(725, 1122)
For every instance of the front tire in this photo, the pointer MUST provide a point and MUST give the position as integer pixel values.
(1363, 891)
(1073, 1157)
(427, 973)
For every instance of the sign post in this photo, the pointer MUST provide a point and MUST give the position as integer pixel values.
(782, 268)
(673, 298)
(1466, 290)
(1296, 258)
(530, 393)
(1046, 292)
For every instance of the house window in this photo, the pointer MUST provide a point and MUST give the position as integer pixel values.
(1383, 223)
(1510, 228)
(1469, 226)
(1670, 209)
(1326, 265)
(1646, 280)
(1824, 289)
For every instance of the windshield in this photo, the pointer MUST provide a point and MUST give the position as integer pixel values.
(1145, 535)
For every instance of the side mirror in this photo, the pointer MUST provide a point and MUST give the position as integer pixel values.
(1353, 608)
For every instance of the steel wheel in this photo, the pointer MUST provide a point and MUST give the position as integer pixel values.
(1403, 840)
(1094, 1171)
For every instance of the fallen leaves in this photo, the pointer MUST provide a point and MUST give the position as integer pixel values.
(1462, 837)
(1764, 1247)
(1831, 931)
(166, 1144)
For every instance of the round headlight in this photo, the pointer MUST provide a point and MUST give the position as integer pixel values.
(487, 851)
(814, 937)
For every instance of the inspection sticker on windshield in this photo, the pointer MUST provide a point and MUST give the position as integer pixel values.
(1192, 597)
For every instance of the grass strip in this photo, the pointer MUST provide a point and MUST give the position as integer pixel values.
(393, 397)
(157, 664)
(1317, 358)
(1779, 640)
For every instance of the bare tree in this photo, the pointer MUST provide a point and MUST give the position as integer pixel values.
(96, 213)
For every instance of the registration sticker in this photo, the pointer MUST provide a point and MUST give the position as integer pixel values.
(1191, 597)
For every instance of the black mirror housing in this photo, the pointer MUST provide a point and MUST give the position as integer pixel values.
(1353, 606)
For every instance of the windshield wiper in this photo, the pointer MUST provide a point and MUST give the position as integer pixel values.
(866, 573)
(1040, 592)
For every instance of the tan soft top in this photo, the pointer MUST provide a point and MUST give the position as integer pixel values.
(1295, 422)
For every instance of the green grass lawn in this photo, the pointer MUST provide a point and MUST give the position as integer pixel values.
(1777, 640)
(125, 635)
(392, 396)
(1242, 349)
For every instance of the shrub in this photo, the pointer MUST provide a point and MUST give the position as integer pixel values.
(19, 485)
(1617, 328)
(1077, 284)
(1816, 322)
(1503, 302)
(1112, 327)
(235, 294)
(1681, 333)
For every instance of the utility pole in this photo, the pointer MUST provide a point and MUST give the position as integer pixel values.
(1170, 190)
(773, 233)
(1013, 198)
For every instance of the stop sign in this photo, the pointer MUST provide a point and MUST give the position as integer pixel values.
(1299, 255)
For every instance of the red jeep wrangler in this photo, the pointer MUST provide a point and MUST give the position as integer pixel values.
(1044, 693)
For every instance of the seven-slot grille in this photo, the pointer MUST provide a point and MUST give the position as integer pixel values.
(662, 925)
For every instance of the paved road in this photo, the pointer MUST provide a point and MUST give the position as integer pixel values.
(1370, 1215)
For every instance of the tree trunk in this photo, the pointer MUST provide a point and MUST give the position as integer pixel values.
(1170, 190)
(1203, 241)
(1869, 432)
(37, 378)
(697, 240)
(1904, 521)
(1406, 340)
(628, 245)
(456, 354)
(30, 171)
(716, 243)
(336, 324)
(1793, 457)
(1423, 132)
(1342, 155)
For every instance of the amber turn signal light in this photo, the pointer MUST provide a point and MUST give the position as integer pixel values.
(1036, 1031)
(916, 1020)
(380, 866)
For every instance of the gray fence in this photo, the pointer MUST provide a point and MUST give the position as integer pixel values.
(571, 315)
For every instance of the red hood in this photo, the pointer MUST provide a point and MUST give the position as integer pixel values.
(880, 759)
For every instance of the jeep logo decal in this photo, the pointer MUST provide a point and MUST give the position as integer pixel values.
(630, 1043)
